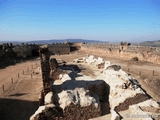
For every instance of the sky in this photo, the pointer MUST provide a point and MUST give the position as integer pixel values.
(105, 20)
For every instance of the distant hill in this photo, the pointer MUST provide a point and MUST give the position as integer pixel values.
(54, 41)
(155, 43)
(13, 42)
(63, 40)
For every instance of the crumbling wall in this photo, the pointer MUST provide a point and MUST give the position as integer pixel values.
(45, 67)
(149, 54)
(24, 51)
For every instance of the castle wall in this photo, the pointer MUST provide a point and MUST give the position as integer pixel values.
(149, 54)
(59, 48)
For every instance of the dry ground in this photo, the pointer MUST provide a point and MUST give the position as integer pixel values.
(19, 100)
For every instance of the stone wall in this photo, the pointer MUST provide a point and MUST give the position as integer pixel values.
(149, 54)
(45, 67)
(19, 50)
(24, 51)
(59, 48)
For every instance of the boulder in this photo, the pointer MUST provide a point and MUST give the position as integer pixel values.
(48, 98)
(91, 60)
(114, 67)
(134, 59)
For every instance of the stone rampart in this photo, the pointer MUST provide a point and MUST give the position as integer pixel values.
(144, 53)
(59, 48)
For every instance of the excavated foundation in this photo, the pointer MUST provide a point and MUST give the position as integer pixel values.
(79, 108)
(75, 112)
(78, 99)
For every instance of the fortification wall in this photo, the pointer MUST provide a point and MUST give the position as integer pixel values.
(149, 54)
(77, 43)
(59, 48)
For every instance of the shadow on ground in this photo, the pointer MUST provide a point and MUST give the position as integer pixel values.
(12, 109)
(13, 61)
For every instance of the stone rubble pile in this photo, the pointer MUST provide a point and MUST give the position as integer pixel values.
(91, 60)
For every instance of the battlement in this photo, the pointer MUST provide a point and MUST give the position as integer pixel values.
(129, 48)
(59, 48)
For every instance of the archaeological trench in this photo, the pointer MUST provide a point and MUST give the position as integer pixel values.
(77, 96)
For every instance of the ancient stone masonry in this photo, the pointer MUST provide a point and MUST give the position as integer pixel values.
(59, 48)
(45, 67)
(53, 64)
(112, 90)
(143, 53)
(54, 72)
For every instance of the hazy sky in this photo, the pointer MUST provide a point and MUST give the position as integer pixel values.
(108, 20)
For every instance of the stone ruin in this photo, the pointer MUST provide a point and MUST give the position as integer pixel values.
(125, 51)
(71, 100)
(83, 100)
(45, 68)
(11, 54)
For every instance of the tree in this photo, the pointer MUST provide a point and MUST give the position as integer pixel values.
(129, 44)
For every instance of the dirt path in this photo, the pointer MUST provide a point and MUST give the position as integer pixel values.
(12, 71)
(19, 100)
